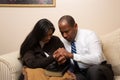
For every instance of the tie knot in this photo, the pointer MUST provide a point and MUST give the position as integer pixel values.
(73, 42)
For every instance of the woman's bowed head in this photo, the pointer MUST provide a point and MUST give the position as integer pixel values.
(39, 43)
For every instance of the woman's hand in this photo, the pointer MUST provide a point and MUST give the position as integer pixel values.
(60, 58)
(61, 55)
(64, 52)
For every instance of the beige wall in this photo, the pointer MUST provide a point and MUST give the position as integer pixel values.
(101, 16)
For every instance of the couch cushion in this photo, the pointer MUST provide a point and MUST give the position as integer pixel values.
(111, 49)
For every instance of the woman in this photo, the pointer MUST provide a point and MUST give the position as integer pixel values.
(37, 50)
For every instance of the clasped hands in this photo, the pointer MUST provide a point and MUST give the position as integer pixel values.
(61, 55)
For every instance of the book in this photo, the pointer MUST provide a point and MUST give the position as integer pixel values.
(56, 70)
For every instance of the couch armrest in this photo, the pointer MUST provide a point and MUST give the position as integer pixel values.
(10, 66)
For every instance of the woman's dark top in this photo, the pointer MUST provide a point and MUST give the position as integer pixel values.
(36, 57)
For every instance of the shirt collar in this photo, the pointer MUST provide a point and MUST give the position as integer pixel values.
(76, 37)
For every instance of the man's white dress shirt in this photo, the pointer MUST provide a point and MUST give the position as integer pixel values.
(88, 46)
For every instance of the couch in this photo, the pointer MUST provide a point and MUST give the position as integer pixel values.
(10, 66)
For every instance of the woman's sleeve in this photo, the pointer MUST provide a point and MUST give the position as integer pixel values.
(32, 61)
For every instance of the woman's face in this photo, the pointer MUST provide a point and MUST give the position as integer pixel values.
(47, 37)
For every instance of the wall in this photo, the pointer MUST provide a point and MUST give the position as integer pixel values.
(101, 16)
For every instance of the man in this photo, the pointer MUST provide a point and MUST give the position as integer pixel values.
(87, 60)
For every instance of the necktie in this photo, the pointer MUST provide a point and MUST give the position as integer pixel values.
(73, 47)
(73, 50)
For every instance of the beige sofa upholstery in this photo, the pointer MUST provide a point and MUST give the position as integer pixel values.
(10, 66)
(111, 48)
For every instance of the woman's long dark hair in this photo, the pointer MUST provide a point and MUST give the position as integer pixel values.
(39, 32)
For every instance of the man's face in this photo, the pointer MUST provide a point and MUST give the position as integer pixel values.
(67, 31)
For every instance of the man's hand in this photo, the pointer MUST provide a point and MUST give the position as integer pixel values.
(61, 55)
(59, 58)
(65, 53)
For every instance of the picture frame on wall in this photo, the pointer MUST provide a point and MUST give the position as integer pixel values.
(27, 3)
